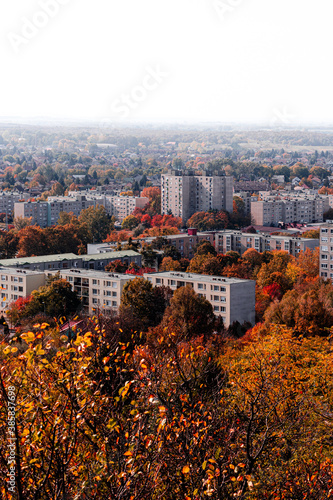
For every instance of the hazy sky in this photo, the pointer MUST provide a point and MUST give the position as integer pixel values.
(182, 60)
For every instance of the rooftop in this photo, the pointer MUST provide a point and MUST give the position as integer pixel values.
(19, 272)
(110, 255)
(90, 273)
(198, 277)
(40, 258)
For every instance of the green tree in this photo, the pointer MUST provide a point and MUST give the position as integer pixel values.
(96, 222)
(145, 302)
(54, 299)
(191, 315)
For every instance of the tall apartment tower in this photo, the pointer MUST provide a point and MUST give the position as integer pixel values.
(326, 250)
(184, 193)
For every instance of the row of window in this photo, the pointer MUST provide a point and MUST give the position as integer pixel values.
(15, 279)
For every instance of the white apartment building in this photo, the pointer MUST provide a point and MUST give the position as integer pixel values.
(97, 290)
(47, 213)
(184, 193)
(122, 206)
(231, 240)
(9, 198)
(38, 211)
(326, 251)
(18, 283)
(233, 299)
(301, 210)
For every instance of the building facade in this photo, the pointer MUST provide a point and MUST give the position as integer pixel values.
(45, 214)
(184, 193)
(233, 299)
(292, 209)
(98, 291)
(326, 251)
(16, 284)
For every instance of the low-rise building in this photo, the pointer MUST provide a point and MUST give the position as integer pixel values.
(233, 299)
(72, 261)
(98, 291)
(231, 240)
(46, 213)
(18, 283)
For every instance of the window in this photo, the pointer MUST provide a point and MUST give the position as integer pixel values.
(324, 257)
(94, 291)
(223, 289)
(223, 309)
(173, 283)
(223, 299)
(324, 248)
(114, 303)
(114, 294)
(70, 278)
(158, 281)
(114, 284)
(201, 286)
(216, 308)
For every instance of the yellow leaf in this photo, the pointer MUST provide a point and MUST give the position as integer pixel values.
(128, 454)
(186, 469)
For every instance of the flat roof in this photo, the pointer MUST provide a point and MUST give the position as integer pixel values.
(90, 273)
(20, 272)
(198, 277)
(109, 255)
(40, 258)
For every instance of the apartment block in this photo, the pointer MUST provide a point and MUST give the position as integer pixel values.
(96, 290)
(44, 262)
(47, 213)
(18, 283)
(8, 200)
(229, 240)
(184, 193)
(70, 260)
(123, 206)
(233, 299)
(248, 198)
(326, 250)
(291, 208)
(38, 211)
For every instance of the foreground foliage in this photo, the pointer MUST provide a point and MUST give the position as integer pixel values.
(112, 415)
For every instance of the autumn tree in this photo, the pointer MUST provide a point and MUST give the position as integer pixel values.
(32, 241)
(191, 315)
(8, 245)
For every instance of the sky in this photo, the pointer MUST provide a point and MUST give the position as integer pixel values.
(183, 61)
